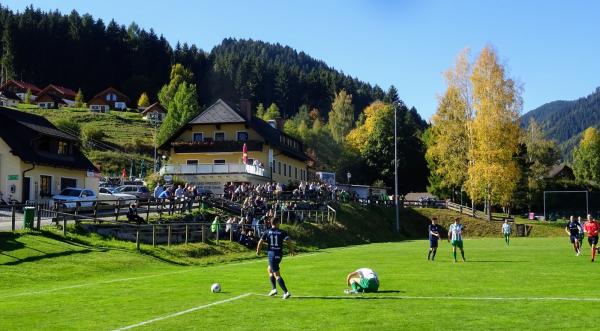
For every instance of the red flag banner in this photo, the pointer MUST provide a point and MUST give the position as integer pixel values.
(245, 154)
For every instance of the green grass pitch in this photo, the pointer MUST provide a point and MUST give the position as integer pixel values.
(536, 283)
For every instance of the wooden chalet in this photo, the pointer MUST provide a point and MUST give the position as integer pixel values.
(108, 99)
(54, 96)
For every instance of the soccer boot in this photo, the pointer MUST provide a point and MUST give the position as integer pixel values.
(273, 292)
(286, 295)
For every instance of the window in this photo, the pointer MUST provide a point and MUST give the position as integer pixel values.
(45, 186)
(219, 136)
(284, 170)
(191, 162)
(290, 170)
(295, 173)
(108, 97)
(219, 162)
(63, 148)
(113, 97)
(67, 182)
(242, 136)
(197, 136)
(279, 168)
(251, 161)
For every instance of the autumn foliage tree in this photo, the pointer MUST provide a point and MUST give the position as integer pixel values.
(586, 156)
(341, 117)
(143, 101)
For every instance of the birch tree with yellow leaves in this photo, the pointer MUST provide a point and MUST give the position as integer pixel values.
(495, 132)
(475, 131)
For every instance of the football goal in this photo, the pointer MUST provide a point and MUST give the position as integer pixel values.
(562, 204)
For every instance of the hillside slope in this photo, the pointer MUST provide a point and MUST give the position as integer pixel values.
(564, 121)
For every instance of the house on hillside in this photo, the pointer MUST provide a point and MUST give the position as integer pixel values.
(157, 108)
(107, 100)
(54, 96)
(207, 151)
(561, 172)
(9, 99)
(37, 160)
(20, 89)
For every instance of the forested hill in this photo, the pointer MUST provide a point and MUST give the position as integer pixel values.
(564, 121)
(78, 51)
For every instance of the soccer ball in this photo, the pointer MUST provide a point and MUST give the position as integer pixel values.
(215, 288)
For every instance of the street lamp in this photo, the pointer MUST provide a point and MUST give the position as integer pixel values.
(396, 167)
(349, 175)
(155, 122)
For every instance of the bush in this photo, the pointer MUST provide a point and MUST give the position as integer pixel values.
(89, 133)
(69, 126)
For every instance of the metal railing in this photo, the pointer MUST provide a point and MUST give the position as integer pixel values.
(227, 168)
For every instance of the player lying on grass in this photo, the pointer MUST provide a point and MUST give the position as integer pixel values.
(363, 280)
(274, 237)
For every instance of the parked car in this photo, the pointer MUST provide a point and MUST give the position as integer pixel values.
(72, 197)
(111, 198)
(140, 191)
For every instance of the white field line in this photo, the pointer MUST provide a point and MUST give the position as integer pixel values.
(192, 269)
(183, 312)
(407, 297)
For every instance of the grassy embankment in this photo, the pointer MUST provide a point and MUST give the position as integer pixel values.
(356, 224)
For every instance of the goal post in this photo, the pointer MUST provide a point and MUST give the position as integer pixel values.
(587, 203)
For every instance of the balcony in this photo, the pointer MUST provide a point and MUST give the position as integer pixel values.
(216, 146)
(208, 169)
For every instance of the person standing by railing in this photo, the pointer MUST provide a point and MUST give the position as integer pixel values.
(158, 190)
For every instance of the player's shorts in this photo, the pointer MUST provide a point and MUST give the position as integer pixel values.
(574, 237)
(274, 260)
(366, 285)
(433, 243)
(593, 240)
(457, 243)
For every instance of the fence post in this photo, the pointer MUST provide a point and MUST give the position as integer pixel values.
(64, 226)
(160, 210)
(218, 230)
(231, 232)
(169, 236)
(203, 233)
(186, 234)
(95, 210)
(147, 210)
(14, 217)
(39, 217)
(137, 238)
(153, 235)
(288, 217)
(117, 211)
(322, 215)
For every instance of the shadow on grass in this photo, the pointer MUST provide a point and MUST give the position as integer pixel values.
(45, 256)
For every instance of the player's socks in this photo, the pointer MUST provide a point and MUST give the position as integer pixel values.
(593, 254)
(433, 257)
(463, 255)
(272, 279)
(454, 253)
(429, 255)
(282, 284)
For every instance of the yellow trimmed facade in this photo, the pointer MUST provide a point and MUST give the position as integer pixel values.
(216, 151)
(21, 183)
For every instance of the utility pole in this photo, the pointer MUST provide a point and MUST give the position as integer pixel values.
(396, 167)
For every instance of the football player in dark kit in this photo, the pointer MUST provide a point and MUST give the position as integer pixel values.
(573, 229)
(274, 237)
(434, 236)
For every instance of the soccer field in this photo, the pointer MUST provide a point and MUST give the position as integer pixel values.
(533, 284)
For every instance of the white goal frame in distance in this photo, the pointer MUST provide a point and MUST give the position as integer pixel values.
(587, 204)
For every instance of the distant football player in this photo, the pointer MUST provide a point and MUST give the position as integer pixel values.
(455, 234)
(363, 280)
(434, 236)
(573, 229)
(506, 231)
(274, 237)
(591, 227)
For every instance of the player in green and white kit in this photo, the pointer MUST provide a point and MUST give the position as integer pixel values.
(506, 231)
(455, 233)
(363, 280)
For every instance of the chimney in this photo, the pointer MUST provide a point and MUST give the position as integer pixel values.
(246, 108)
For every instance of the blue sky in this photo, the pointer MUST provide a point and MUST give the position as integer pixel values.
(551, 47)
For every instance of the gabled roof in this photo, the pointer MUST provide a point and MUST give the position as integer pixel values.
(24, 85)
(154, 107)
(218, 113)
(222, 112)
(19, 129)
(557, 169)
(113, 90)
(9, 95)
(67, 93)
